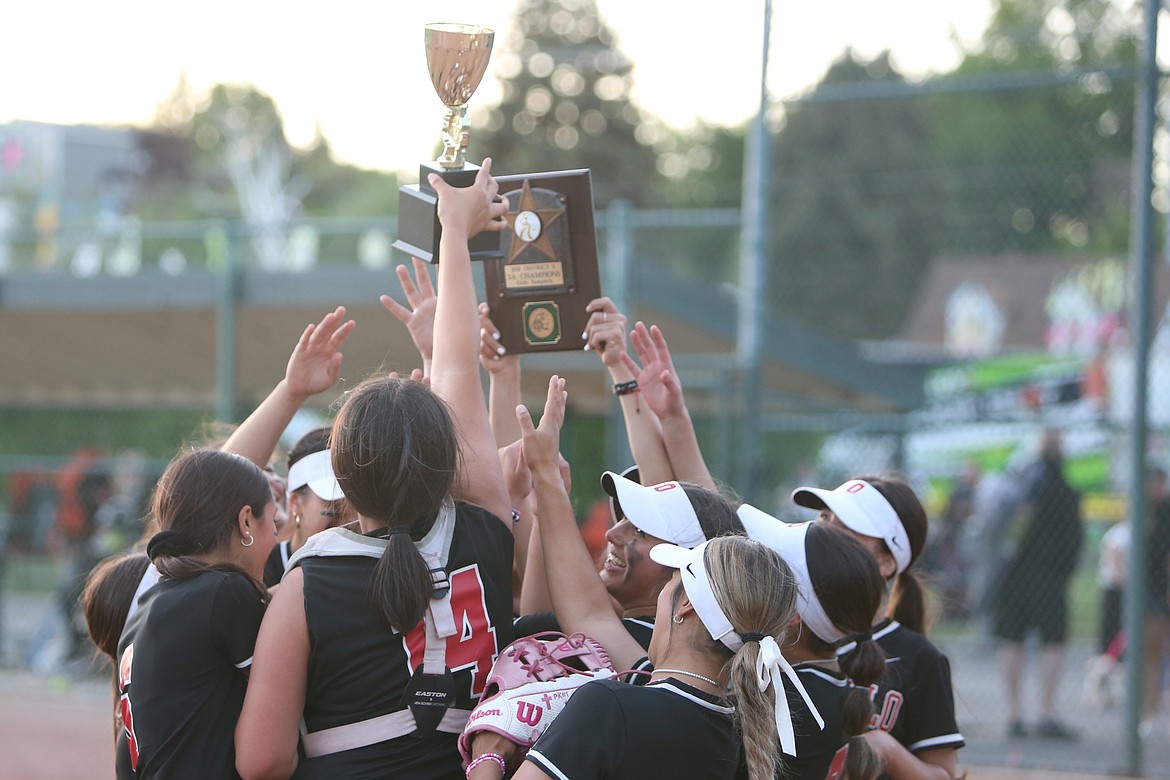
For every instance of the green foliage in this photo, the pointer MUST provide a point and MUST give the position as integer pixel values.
(1040, 168)
(59, 432)
(855, 212)
(193, 139)
(566, 103)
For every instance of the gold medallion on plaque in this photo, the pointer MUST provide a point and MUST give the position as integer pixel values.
(542, 322)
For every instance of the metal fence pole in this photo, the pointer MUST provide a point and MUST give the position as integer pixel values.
(753, 279)
(1141, 247)
(618, 244)
(225, 346)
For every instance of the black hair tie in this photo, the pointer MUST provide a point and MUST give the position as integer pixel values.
(168, 544)
(859, 638)
(398, 529)
(752, 636)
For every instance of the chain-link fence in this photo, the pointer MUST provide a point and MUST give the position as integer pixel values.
(975, 240)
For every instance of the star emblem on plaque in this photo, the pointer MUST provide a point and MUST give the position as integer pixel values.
(547, 268)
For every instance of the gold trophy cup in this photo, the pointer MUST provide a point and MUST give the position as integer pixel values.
(457, 58)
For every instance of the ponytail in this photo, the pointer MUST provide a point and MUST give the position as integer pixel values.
(401, 586)
(908, 602)
(862, 762)
(756, 713)
(756, 590)
(865, 663)
(395, 450)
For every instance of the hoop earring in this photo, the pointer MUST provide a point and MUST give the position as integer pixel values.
(251, 539)
(677, 620)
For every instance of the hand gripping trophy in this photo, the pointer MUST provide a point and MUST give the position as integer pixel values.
(457, 58)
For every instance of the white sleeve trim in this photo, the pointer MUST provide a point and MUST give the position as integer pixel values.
(245, 663)
(934, 742)
(549, 768)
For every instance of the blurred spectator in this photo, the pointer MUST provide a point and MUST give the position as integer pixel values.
(984, 544)
(1156, 651)
(1101, 683)
(944, 559)
(1032, 595)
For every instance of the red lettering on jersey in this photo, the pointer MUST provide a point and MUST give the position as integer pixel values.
(527, 712)
(887, 715)
(837, 768)
(125, 667)
(665, 486)
(472, 648)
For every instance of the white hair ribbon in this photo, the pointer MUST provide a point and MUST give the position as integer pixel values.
(769, 663)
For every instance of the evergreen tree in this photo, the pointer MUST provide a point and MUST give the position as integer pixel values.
(566, 102)
(854, 209)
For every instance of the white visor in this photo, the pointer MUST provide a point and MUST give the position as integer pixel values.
(697, 585)
(316, 471)
(659, 510)
(787, 539)
(863, 509)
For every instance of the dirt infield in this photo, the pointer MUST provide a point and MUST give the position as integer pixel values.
(54, 729)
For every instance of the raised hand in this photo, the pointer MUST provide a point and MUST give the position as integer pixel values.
(419, 319)
(605, 331)
(315, 363)
(542, 444)
(492, 354)
(657, 379)
(516, 474)
(470, 210)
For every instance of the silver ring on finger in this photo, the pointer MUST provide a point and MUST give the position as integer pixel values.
(605, 316)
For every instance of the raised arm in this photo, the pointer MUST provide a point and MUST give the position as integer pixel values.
(578, 596)
(504, 380)
(662, 392)
(464, 212)
(313, 367)
(419, 319)
(605, 334)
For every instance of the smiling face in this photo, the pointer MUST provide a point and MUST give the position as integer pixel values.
(627, 572)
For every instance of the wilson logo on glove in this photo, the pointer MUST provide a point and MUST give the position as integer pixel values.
(530, 683)
(527, 712)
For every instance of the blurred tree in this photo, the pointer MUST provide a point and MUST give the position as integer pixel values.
(225, 155)
(242, 128)
(855, 215)
(1038, 165)
(566, 103)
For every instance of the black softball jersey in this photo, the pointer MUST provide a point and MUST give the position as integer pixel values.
(182, 661)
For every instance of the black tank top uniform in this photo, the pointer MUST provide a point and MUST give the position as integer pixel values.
(662, 729)
(182, 663)
(915, 702)
(359, 670)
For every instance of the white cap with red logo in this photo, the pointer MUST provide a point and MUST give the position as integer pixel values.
(662, 510)
(863, 509)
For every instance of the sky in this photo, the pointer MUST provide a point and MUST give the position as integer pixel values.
(357, 68)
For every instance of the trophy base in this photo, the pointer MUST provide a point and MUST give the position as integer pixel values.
(419, 230)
